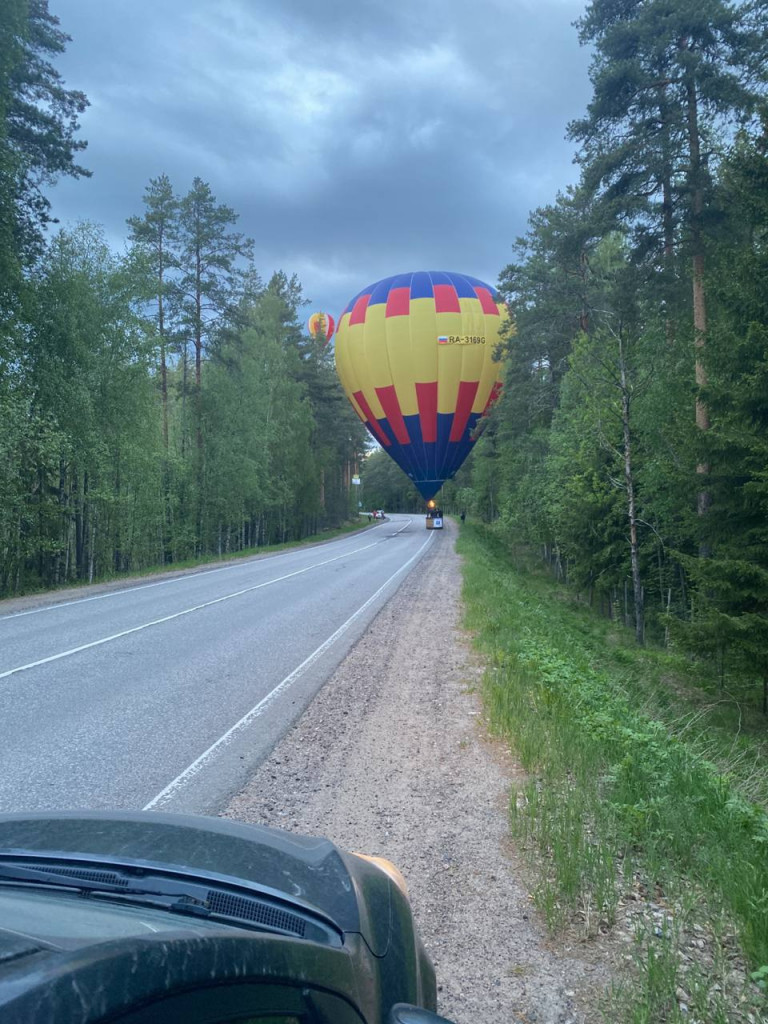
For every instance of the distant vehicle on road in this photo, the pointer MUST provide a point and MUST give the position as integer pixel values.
(145, 917)
(434, 519)
(379, 513)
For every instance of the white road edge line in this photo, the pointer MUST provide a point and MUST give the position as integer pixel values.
(162, 583)
(176, 615)
(198, 765)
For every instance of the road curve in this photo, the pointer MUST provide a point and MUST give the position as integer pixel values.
(167, 693)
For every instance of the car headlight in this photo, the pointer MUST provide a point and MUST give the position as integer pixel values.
(389, 869)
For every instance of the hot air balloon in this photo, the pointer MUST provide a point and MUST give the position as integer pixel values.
(414, 354)
(321, 323)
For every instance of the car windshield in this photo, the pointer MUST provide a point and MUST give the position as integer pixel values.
(65, 919)
(198, 898)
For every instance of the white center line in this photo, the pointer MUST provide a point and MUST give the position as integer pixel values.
(167, 794)
(176, 615)
(184, 577)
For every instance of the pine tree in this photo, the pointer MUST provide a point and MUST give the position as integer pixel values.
(211, 272)
(156, 235)
(39, 123)
(731, 619)
(209, 258)
(668, 79)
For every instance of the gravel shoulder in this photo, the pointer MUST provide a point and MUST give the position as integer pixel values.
(393, 758)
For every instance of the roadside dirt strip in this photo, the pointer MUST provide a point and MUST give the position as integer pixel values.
(392, 758)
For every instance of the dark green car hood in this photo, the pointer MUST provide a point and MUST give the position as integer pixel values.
(305, 869)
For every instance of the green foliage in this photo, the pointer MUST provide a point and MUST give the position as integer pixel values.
(616, 790)
(731, 614)
(666, 78)
(384, 485)
(39, 125)
(121, 452)
(629, 446)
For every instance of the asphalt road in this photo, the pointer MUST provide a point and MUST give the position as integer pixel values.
(167, 693)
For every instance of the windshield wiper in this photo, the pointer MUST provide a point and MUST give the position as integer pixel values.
(184, 896)
(83, 879)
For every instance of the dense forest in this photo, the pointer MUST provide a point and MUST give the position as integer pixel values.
(630, 447)
(156, 405)
(165, 403)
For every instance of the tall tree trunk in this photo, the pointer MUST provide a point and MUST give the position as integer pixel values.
(41, 545)
(583, 271)
(699, 293)
(184, 377)
(117, 554)
(91, 547)
(198, 346)
(199, 398)
(79, 524)
(64, 521)
(667, 213)
(161, 331)
(629, 483)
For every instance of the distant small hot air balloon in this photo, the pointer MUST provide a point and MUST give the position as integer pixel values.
(321, 323)
(414, 354)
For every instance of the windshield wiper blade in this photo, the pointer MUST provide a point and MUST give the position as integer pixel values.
(80, 878)
(187, 896)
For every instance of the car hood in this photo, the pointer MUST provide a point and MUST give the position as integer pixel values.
(304, 869)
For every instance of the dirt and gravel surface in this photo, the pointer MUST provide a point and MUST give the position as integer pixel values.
(393, 758)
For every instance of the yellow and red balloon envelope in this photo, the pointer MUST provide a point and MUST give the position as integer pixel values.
(321, 323)
(414, 354)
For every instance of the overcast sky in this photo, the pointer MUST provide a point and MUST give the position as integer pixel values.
(355, 138)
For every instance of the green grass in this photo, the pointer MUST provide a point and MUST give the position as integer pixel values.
(631, 788)
(664, 987)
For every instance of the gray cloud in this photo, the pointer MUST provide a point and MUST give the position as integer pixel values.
(355, 138)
